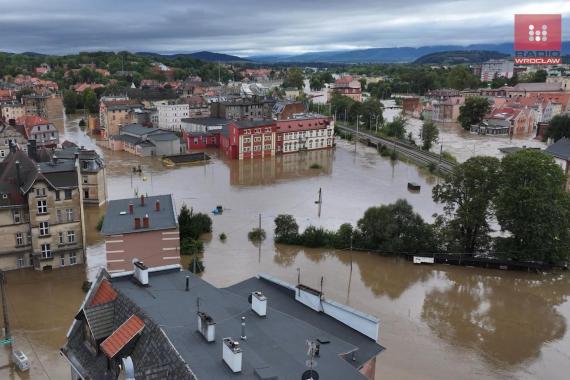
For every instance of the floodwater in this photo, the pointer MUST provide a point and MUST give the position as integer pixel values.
(437, 322)
(461, 143)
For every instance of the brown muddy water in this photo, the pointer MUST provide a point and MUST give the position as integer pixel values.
(437, 322)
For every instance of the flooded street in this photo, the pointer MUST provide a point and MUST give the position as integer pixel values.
(437, 322)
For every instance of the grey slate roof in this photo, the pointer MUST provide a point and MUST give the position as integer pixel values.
(137, 129)
(100, 319)
(560, 149)
(207, 121)
(275, 345)
(115, 223)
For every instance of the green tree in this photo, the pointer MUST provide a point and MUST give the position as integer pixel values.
(371, 112)
(473, 111)
(294, 78)
(90, 101)
(430, 134)
(344, 236)
(395, 228)
(533, 207)
(460, 77)
(193, 225)
(286, 229)
(396, 128)
(558, 127)
(466, 195)
(70, 101)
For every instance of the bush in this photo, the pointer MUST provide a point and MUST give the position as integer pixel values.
(317, 237)
(196, 265)
(189, 247)
(384, 151)
(448, 156)
(286, 229)
(315, 166)
(432, 167)
(343, 236)
(394, 155)
(223, 236)
(99, 225)
(257, 234)
(193, 225)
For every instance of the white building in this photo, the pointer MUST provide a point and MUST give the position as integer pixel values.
(496, 68)
(170, 115)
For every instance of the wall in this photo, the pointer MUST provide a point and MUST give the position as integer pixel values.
(154, 248)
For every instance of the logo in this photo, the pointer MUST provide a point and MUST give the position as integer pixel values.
(538, 39)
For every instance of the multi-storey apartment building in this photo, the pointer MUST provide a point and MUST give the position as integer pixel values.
(41, 212)
(245, 139)
(304, 132)
(49, 106)
(11, 111)
(115, 112)
(170, 115)
(242, 109)
(347, 86)
(496, 68)
(39, 129)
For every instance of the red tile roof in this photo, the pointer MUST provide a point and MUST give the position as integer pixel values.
(31, 121)
(104, 294)
(122, 336)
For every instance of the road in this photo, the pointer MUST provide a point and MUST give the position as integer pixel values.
(408, 150)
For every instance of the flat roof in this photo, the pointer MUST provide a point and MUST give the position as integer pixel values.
(116, 223)
(253, 123)
(207, 121)
(275, 345)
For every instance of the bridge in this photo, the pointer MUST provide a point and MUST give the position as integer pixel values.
(407, 150)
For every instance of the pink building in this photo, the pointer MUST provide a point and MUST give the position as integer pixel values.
(142, 228)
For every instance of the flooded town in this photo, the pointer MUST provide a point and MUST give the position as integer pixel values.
(297, 212)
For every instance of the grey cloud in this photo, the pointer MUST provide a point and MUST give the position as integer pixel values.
(255, 26)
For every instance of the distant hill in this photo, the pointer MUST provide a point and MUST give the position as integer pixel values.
(460, 56)
(389, 55)
(202, 55)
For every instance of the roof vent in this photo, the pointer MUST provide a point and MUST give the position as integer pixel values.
(232, 354)
(141, 272)
(259, 304)
(206, 326)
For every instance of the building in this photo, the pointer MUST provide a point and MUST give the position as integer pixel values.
(170, 115)
(497, 68)
(41, 213)
(411, 105)
(527, 89)
(48, 106)
(11, 135)
(11, 111)
(560, 150)
(171, 324)
(347, 86)
(243, 139)
(145, 141)
(242, 109)
(508, 119)
(283, 110)
(564, 82)
(198, 107)
(115, 112)
(36, 128)
(447, 110)
(201, 133)
(142, 228)
(304, 132)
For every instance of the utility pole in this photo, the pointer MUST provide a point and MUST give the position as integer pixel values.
(7, 335)
(357, 125)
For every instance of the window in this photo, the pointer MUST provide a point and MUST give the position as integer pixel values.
(72, 258)
(46, 251)
(59, 216)
(41, 192)
(17, 214)
(71, 236)
(69, 214)
(44, 228)
(67, 194)
(19, 239)
(42, 206)
(57, 198)
(2, 153)
(61, 239)
(85, 180)
(62, 260)
(85, 165)
(86, 193)
(20, 262)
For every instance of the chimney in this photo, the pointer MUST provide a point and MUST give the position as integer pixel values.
(259, 304)
(157, 205)
(187, 283)
(206, 326)
(142, 200)
(145, 221)
(141, 272)
(137, 223)
(243, 336)
(18, 174)
(232, 354)
(131, 208)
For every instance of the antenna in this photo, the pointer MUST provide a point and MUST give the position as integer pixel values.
(198, 304)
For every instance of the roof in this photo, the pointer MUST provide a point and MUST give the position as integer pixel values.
(275, 345)
(560, 149)
(538, 87)
(31, 121)
(137, 129)
(207, 121)
(115, 223)
(104, 294)
(122, 336)
(242, 124)
(100, 319)
(8, 177)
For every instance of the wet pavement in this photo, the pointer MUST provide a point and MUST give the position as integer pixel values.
(437, 322)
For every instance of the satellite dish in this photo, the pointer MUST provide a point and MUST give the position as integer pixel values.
(249, 298)
(310, 374)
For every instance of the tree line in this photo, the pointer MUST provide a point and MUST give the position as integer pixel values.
(515, 208)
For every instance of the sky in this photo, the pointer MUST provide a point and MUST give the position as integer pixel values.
(258, 27)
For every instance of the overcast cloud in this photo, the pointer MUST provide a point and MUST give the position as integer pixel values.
(246, 27)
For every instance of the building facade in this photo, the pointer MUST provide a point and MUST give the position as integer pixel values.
(115, 112)
(145, 141)
(304, 132)
(11, 111)
(497, 68)
(347, 86)
(11, 135)
(246, 139)
(39, 129)
(170, 115)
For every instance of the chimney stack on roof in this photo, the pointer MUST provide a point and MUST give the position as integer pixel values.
(137, 223)
(145, 221)
(141, 272)
(131, 208)
(142, 200)
(157, 204)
